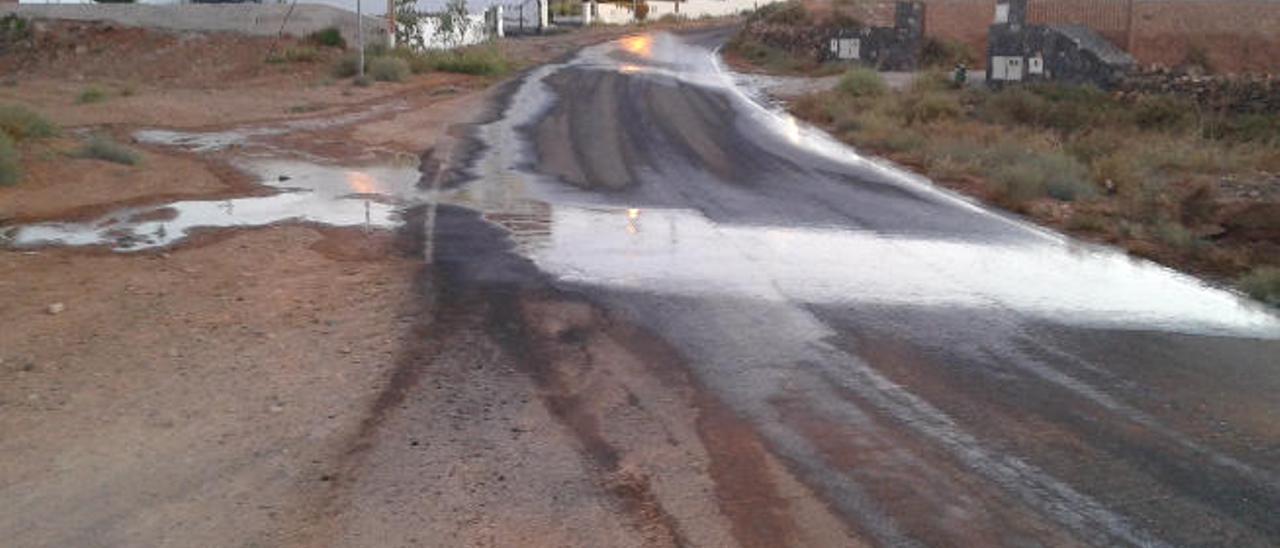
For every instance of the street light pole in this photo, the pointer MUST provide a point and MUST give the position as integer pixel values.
(360, 38)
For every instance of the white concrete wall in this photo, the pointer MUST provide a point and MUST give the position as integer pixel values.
(478, 29)
(250, 19)
(615, 14)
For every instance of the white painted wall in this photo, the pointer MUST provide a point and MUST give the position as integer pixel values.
(615, 14)
(477, 30)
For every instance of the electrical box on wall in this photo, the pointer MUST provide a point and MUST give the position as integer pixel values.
(846, 48)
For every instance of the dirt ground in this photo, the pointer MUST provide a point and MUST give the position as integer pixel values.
(301, 385)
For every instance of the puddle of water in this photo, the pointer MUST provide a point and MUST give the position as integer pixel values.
(367, 196)
(219, 140)
(591, 239)
(683, 253)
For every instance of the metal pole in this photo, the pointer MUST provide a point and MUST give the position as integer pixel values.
(360, 37)
(391, 21)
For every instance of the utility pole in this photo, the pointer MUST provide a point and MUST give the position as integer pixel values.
(391, 22)
(360, 38)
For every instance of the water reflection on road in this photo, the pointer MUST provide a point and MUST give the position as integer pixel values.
(369, 196)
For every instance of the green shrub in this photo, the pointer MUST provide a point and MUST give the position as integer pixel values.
(22, 123)
(862, 82)
(1118, 171)
(939, 53)
(92, 94)
(1073, 108)
(301, 54)
(1176, 236)
(772, 58)
(928, 107)
(102, 147)
(10, 169)
(419, 63)
(478, 60)
(388, 69)
(347, 65)
(1244, 128)
(1060, 107)
(329, 37)
(1263, 283)
(782, 13)
(1013, 106)
(14, 29)
(1094, 145)
(1163, 113)
(932, 80)
(1036, 174)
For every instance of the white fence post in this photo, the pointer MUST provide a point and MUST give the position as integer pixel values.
(497, 22)
(544, 16)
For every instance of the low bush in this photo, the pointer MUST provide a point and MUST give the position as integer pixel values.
(22, 123)
(1067, 109)
(329, 37)
(347, 66)
(862, 82)
(1012, 106)
(102, 147)
(928, 107)
(1255, 128)
(14, 29)
(1263, 283)
(10, 169)
(301, 54)
(1095, 145)
(1163, 113)
(773, 59)
(1036, 174)
(389, 69)
(92, 94)
(484, 60)
(1176, 236)
(940, 53)
(419, 63)
(1117, 172)
(782, 13)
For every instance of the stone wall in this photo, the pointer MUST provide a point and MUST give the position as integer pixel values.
(1251, 94)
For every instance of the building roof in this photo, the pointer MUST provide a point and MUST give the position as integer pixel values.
(1089, 40)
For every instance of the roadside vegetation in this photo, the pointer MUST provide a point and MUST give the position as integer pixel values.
(1140, 172)
(19, 124)
(753, 48)
(396, 64)
(1156, 173)
(92, 94)
(103, 147)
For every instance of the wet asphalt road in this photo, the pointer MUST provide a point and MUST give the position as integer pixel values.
(939, 373)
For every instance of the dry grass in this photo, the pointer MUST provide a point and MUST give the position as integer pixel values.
(102, 147)
(1263, 283)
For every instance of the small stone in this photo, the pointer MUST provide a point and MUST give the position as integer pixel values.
(283, 178)
(276, 408)
(56, 308)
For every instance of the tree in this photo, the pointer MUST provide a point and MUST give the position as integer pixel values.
(455, 23)
(408, 29)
